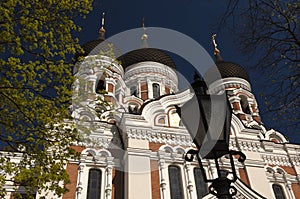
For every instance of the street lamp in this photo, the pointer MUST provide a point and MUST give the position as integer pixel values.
(210, 129)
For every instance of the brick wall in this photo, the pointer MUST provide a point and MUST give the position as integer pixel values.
(154, 146)
(144, 91)
(117, 184)
(155, 185)
(296, 190)
(110, 88)
(289, 170)
(244, 176)
(72, 170)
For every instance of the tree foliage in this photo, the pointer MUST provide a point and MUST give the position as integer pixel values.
(36, 44)
(269, 31)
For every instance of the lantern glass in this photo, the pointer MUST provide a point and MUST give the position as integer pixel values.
(207, 119)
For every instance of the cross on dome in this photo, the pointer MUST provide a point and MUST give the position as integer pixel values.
(102, 30)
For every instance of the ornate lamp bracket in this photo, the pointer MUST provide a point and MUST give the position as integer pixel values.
(221, 186)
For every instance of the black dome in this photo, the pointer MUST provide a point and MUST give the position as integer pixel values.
(230, 69)
(87, 48)
(226, 69)
(90, 45)
(93, 48)
(146, 54)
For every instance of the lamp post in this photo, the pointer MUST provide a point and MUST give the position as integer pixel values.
(210, 129)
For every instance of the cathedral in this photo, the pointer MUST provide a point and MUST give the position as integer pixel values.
(134, 142)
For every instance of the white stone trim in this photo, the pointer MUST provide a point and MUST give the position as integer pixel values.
(276, 135)
(153, 71)
(101, 159)
(229, 82)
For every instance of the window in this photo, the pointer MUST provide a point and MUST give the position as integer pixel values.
(133, 91)
(94, 184)
(156, 90)
(278, 191)
(245, 105)
(175, 182)
(174, 119)
(201, 186)
(100, 86)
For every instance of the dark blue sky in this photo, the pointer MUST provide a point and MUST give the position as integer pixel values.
(197, 19)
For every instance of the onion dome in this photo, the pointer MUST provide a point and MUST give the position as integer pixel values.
(90, 45)
(230, 69)
(226, 69)
(146, 54)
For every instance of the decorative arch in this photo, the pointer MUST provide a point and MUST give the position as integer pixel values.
(236, 125)
(96, 152)
(179, 150)
(280, 170)
(133, 99)
(173, 117)
(133, 106)
(86, 115)
(160, 120)
(95, 174)
(269, 169)
(275, 136)
(275, 169)
(160, 105)
(166, 148)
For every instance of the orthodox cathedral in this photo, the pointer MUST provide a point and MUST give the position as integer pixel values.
(134, 141)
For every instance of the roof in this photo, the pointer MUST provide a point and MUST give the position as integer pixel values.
(90, 45)
(226, 69)
(146, 54)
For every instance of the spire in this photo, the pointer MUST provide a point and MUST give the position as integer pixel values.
(144, 36)
(216, 50)
(102, 30)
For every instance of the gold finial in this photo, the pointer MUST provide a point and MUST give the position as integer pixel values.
(216, 51)
(144, 36)
(143, 22)
(102, 23)
(102, 30)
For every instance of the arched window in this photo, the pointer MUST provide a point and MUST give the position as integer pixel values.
(133, 91)
(175, 182)
(100, 86)
(278, 191)
(201, 186)
(174, 119)
(156, 90)
(245, 104)
(94, 184)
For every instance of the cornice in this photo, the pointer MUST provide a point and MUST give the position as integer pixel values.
(139, 69)
(226, 83)
(181, 138)
(276, 159)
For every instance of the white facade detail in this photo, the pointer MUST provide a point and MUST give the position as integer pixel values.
(139, 135)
